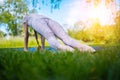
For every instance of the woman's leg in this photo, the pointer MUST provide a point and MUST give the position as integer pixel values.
(36, 37)
(26, 36)
(42, 42)
(42, 27)
(61, 34)
(76, 44)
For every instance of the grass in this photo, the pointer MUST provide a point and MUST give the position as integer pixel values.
(18, 41)
(47, 65)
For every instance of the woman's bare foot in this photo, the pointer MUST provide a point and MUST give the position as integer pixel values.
(25, 49)
(65, 48)
(86, 48)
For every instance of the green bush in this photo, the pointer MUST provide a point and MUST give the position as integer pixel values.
(97, 34)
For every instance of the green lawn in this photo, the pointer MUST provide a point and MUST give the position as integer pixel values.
(47, 65)
(16, 42)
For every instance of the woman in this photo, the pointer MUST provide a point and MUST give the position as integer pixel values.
(50, 29)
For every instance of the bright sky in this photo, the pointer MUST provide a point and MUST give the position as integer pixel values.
(82, 11)
(1, 1)
(72, 11)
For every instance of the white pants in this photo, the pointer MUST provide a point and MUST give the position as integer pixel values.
(51, 29)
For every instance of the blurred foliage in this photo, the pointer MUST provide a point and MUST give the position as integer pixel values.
(17, 41)
(96, 2)
(98, 33)
(47, 65)
(11, 13)
(54, 4)
(2, 34)
(117, 26)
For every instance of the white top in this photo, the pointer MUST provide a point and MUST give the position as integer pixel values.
(32, 17)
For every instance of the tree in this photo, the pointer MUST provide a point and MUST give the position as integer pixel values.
(54, 4)
(117, 26)
(11, 13)
(2, 34)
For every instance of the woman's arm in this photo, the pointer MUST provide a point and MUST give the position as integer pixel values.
(36, 37)
(26, 36)
(43, 42)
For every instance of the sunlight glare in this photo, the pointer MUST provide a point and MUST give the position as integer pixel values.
(101, 13)
(88, 13)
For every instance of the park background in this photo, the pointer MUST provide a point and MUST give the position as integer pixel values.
(92, 22)
(86, 20)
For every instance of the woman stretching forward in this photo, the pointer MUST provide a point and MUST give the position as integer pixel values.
(50, 29)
